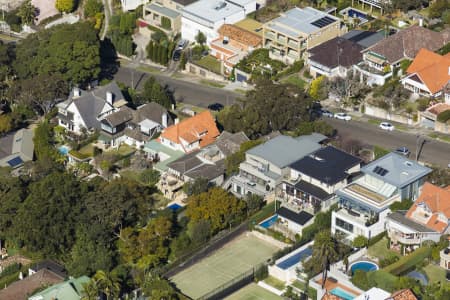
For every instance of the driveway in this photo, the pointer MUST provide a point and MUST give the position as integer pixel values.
(46, 9)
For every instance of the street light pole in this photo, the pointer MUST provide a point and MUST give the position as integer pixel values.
(417, 146)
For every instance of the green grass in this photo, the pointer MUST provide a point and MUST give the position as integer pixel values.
(380, 250)
(409, 261)
(373, 121)
(209, 62)
(435, 273)
(253, 292)
(295, 80)
(379, 151)
(272, 281)
(235, 258)
(241, 91)
(124, 150)
(312, 293)
(438, 136)
(382, 279)
(212, 83)
(148, 69)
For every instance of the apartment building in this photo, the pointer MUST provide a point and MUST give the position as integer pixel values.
(297, 30)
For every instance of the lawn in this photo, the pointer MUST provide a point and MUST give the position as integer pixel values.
(312, 293)
(435, 273)
(442, 137)
(210, 63)
(253, 292)
(230, 261)
(295, 80)
(380, 250)
(382, 279)
(272, 281)
(408, 262)
(212, 83)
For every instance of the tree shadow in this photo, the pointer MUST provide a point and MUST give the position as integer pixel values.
(109, 65)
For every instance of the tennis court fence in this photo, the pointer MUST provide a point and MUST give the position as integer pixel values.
(235, 284)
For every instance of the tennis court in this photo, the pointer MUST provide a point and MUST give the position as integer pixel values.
(253, 292)
(233, 259)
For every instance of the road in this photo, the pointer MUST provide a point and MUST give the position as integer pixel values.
(434, 152)
(108, 13)
(183, 91)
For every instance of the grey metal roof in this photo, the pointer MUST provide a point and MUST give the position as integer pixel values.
(400, 170)
(207, 171)
(400, 218)
(229, 143)
(284, 150)
(6, 145)
(364, 38)
(125, 114)
(163, 10)
(152, 111)
(300, 20)
(186, 163)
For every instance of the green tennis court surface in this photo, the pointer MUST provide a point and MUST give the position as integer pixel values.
(253, 292)
(233, 259)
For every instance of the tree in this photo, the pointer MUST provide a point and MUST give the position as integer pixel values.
(92, 7)
(254, 203)
(65, 6)
(5, 124)
(348, 89)
(154, 92)
(360, 241)
(196, 187)
(149, 177)
(159, 288)
(27, 12)
(90, 290)
(405, 204)
(200, 38)
(199, 232)
(316, 90)
(108, 284)
(325, 251)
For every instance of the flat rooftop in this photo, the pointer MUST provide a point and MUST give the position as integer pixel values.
(306, 20)
(250, 25)
(211, 10)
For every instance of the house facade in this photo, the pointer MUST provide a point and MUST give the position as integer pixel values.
(297, 30)
(364, 203)
(207, 16)
(427, 220)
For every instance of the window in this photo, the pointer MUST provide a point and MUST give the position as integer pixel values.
(344, 225)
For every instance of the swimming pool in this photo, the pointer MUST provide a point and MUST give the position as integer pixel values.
(64, 150)
(174, 206)
(269, 222)
(365, 266)
(342, 293)
(295, 259)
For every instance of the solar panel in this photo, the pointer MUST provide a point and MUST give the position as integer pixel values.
(15, 161)
(380, 171)
(361, 36)
(322, 22)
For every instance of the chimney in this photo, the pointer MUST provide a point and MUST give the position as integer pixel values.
(449, 71)
(177, 121)
(76, 92)
(109, 98)
(164, 120)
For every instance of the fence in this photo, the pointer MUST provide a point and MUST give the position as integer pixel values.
(194, 256)
(233, 285)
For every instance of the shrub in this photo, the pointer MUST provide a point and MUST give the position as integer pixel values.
(360, 279)
(444, 116)
(401, 205)
(388, 261)
(376, 239)
(406, 263)
(422, 104)
(166, 23)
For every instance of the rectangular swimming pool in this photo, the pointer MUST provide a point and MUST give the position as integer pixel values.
(342, 293)
(174, 206)
(295, 259)
(269, 222)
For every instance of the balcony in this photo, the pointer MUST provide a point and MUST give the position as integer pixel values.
(269, 35)
(296, 204)
(406, 239)
(357, 217)
(293, 44)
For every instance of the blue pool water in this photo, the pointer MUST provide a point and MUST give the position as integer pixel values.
(419, 276)
(342, 293)
(295, 259)
(365, 266)
(174, 206)
(64, 150)
(356, 14)
(269, 222)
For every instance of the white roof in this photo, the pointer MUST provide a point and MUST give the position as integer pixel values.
(373, 294)
(148, 124)
(212, 10)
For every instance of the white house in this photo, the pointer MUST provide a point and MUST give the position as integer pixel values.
(132, 4)
(208, 15)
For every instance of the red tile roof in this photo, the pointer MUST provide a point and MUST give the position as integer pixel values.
(240, 35)
(329, 296)
(405, 294)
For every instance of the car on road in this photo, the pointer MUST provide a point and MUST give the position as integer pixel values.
(215, 107)
(386, 126)
(342, 116)
(403, 151)
(177, 55)
(327, 113)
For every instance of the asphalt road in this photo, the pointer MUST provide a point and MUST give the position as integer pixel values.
(183, 91)
(434, 152)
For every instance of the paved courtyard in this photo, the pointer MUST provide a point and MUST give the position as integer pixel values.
(46, 9)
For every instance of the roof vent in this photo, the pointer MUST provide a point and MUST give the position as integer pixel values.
(405, 173)
(220, 5)
(408, 163)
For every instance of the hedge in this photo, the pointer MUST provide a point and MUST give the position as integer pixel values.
(406, 263)
(444, 116)
(376, 239)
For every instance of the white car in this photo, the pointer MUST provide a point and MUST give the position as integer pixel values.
(342, 116)
(387, 126)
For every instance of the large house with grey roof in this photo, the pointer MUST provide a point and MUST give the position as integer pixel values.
(16, 148)
(297, 30)
(364, 203)
(83, 110)
(267, 164)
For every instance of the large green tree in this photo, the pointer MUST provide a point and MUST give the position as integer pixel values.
(65, 6)
(27, 12)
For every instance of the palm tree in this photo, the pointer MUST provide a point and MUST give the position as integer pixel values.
(90, 290)
(108, 283)
(325, 250)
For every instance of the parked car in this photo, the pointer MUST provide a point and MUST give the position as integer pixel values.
(387, 126)
(215, 107)
(327, 113)
(177, 55)
(251, 183)
(342, 116)
(182, 44)
(403, 151)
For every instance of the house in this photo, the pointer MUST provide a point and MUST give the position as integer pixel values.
(161, 155)
(134, 126)
(48, 265)
(16, 148)
(428, 117)
(313, 179)
(191, 134)
(128, 5)
(427, 220)
(264, 168)
(208, 15)
(364, 38)
(71, 289)
(445, 258)
(233, 44)
(405, 294)
(164, 14)
(83, 110)
(382, 58)
(297, 30)
(334, 57)
(22, 289)
(208, 163)
(364, 203)
(428, 74)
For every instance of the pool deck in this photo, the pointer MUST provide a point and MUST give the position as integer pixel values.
(331, 284)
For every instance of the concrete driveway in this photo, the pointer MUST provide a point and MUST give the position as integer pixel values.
(46, 9)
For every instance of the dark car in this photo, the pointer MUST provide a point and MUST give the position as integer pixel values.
(215, 107)
(403, 151)
(177, 55)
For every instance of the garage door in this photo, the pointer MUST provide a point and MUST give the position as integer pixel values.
(241, 78)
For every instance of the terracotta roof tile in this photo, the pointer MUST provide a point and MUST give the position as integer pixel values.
(405, 294)
(191, 128)
(329, 296)
(240, 35)
(438, 108)
(437, 199)
(432, 69)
